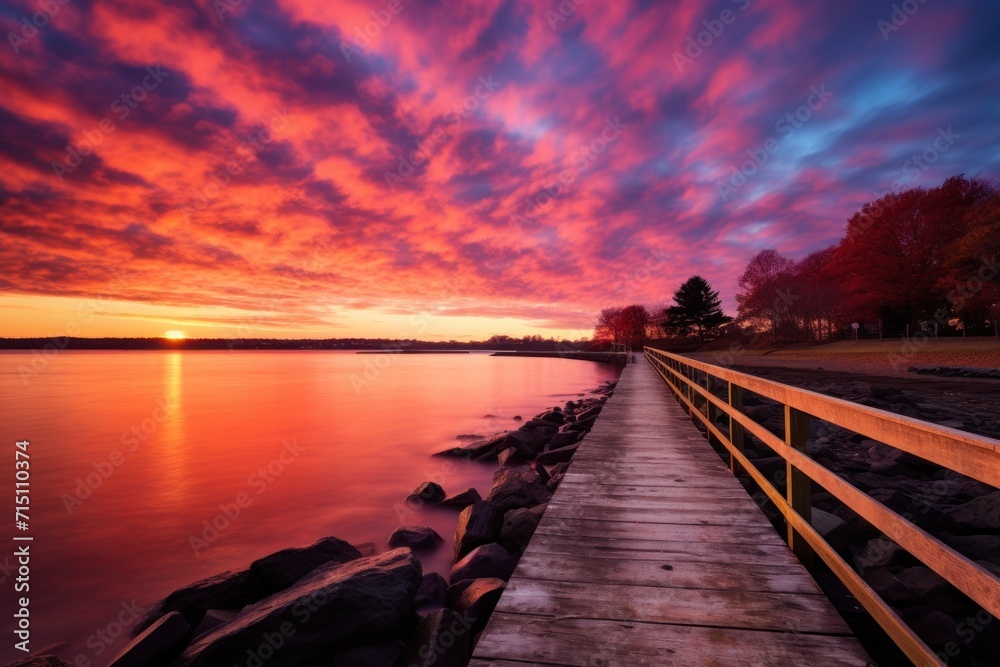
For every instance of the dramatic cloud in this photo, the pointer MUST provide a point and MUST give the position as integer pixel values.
(314, 167)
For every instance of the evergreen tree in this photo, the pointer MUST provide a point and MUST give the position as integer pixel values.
(697, 310)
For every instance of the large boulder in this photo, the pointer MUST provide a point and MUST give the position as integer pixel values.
(485, 562)
(418, 538)
(478, 524)
(564, 438)
(833, 529)
(336, 608)
(519, 525)
(283, 568)
(158, 645)
(478, 451)
(432, 589)
(41, 661)
(462, 500)
(559, 455)
(443, 639)
(477, 601)
(980, 513)
(527, 442)
(428, 493)
(517, 488)
(228, 590)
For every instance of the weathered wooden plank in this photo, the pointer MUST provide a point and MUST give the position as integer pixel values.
(520, 640)
(721, 608)
(748, 552)
(665, 572)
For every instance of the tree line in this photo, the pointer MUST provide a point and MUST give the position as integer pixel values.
(917, 260)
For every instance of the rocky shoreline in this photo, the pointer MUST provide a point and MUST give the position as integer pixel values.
(335, 604)
(961, 512)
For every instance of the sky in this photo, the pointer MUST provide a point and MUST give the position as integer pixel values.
(445, 170)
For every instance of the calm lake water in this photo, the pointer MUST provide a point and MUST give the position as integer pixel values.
(132, 452)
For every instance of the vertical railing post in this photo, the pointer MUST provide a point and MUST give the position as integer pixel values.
(711, 410)
(799, 486)
(735, 428)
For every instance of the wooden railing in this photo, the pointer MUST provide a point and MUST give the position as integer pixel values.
(693, 383)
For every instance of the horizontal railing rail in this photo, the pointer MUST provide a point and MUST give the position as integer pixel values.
(692, 383)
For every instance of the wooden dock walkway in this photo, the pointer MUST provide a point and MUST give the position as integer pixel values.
(652, 553)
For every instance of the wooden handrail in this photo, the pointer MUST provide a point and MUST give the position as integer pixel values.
(972, 455)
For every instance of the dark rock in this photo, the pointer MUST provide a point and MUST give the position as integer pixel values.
(478, 600)
(560, 455)
(519, 525)
(510, 456)
(833, 529)
(517, 418)
(889, 587)
(418, 538)
(228, 590)
(335, 608)
(432, 589)
(213, 619)
(543, 473)
(455, 591)
(564, 438)
(980, 513)
(487, 561)
(429, 493)
(159, 644)
(553, 483)
(462, 500)
(283, 568)
(761, 413)
(478, 524)
(975, 546)
(555, 416)
(560, 469)
(384, 654)
(934, 627)
(478, 451)
(517, 488)
(581, 425)
(922, 581)
(443, 639)
(41, 661)
(878, 552)
(527, 442)
(588, 414)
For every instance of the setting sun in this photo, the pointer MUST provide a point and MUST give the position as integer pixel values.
(175, 335)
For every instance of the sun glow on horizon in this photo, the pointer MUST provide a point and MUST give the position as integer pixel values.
(175, 335)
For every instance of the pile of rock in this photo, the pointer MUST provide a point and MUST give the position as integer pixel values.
(328, 603)
(957, 371)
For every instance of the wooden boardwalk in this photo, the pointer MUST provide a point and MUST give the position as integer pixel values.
(652, 553)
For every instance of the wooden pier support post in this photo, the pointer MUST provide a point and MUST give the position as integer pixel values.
(735, 428)
(799, 486)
